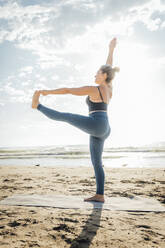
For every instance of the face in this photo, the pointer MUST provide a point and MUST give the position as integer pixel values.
(100, 77)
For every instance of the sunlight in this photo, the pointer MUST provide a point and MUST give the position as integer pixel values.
(133, 89)
(133, 60)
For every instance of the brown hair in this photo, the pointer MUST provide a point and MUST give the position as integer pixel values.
(109, 71)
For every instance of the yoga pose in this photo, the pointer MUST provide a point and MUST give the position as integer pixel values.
(97, 123)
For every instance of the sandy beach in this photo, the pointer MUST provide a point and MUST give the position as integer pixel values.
(47, 227)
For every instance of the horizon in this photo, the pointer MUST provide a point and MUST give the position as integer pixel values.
(156, 144)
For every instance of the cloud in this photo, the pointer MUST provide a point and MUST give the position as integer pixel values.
(13, 58)
(154, 40)
(46, 28)
(48, 39)
(49, 26)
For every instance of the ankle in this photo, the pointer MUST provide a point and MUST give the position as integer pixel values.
(99, 195)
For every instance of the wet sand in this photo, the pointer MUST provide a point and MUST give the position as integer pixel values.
(47, 227)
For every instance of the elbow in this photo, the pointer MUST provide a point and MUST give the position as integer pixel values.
(70, 91)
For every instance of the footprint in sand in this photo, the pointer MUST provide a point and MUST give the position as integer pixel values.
(27, 179)
(14, 224)
(9, 180)
(63, 227)
(67, 219)
(143, 182)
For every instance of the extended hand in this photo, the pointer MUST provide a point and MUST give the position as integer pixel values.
(112, 44)
(44, 92)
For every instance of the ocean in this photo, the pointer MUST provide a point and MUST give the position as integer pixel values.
(78, 155)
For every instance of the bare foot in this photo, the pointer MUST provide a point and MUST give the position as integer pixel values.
(35, 99)
(97, 198)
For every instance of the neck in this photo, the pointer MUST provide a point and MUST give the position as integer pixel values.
(103, 83)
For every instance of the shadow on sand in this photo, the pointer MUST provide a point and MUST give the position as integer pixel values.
(89, 230)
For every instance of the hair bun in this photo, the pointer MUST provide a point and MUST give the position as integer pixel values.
(116, 69)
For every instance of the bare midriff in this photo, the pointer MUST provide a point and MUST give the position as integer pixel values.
(97, 111)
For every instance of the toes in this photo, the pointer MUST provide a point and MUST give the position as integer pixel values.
(87, 199)
(37, 92)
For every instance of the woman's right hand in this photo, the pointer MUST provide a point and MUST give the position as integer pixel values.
(44, 92)
(112, 44)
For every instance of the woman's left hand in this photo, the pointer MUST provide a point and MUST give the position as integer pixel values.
(112, 44)
(44, 92)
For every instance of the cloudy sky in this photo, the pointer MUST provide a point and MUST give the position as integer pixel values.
(62, 43)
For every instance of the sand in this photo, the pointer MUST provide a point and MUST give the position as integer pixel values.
(46, 227)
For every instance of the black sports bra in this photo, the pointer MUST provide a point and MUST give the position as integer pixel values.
(96, 105)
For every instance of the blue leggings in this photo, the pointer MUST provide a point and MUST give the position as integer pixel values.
(97, 126)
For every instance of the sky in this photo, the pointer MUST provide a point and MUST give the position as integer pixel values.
(62, 43)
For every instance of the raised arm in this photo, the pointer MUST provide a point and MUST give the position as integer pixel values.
(112, 45)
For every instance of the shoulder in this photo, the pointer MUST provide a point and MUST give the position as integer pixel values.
(103, 88)
(106, 89)
(110, 89)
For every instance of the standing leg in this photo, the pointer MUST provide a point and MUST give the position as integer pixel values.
(96, 149)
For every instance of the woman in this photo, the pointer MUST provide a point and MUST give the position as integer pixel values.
(97, 123)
